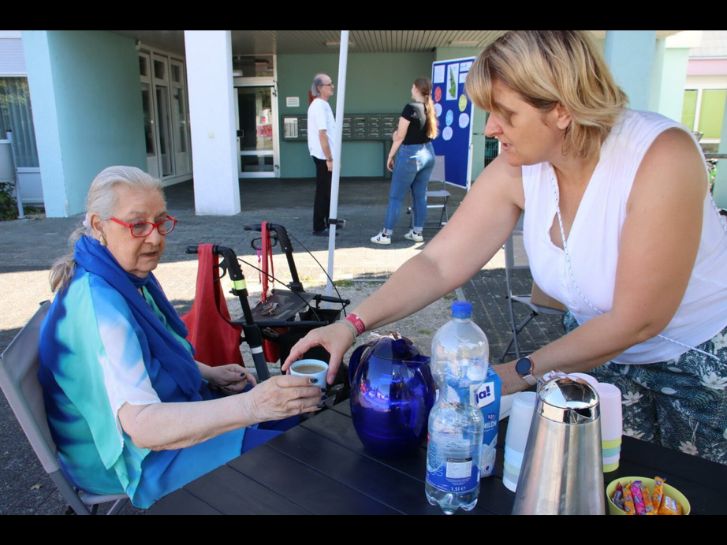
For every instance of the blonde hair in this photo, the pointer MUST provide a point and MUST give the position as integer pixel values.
(424, 86)
(548, 68)
(101, 200)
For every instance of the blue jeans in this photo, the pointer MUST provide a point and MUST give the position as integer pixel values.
(412, 168)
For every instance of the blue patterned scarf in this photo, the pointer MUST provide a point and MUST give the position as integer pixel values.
(181, 372)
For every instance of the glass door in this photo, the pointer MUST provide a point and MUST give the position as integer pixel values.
(166, 116)
(257, 127)
(182, 156)
(160, 71)
(152, 161)
(256, 131)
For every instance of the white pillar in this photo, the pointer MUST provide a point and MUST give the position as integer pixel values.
(337, 148)
(212, 119)
(630, 57)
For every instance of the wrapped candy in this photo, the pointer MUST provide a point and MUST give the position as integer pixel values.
(638, 497)
(618, 497)
(648, 504)
(669, 506)
(658, 493)
(628, 500)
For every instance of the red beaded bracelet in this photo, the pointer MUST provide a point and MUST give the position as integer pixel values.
(357, 323)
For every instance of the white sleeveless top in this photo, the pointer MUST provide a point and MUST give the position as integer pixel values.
(593, 243)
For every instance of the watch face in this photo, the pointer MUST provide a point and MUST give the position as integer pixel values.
(523, 366)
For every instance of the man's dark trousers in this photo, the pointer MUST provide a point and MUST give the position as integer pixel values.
(321, 205)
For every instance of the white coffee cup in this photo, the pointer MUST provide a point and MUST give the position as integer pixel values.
(316, 370)
(518, 428)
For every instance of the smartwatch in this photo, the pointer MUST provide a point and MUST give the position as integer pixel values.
(525, 368)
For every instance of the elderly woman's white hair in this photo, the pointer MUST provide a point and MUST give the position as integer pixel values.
(101, 200)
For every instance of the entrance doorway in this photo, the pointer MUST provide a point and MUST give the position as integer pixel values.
(257, 131)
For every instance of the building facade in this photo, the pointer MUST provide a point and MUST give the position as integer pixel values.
(212, 106)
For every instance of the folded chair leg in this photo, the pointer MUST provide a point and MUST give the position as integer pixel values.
(444, 215)
(514, 340)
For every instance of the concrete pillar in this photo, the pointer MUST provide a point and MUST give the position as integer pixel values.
(212, 118)
(87, 112)
(630, 56)
(45, 120)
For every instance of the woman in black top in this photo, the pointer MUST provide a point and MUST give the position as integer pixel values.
(411, 160)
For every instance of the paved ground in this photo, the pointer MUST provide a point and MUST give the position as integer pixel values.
(29, 247)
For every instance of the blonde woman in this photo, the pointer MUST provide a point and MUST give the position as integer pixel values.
(411, 159)
(618, 226)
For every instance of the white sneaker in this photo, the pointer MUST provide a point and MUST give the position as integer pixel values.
(412, 235)
(381, 238)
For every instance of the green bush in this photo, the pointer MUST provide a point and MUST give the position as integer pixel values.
(8, 206)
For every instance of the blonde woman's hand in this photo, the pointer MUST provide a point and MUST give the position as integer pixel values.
(336, 338)
(390, 164)
(282, 396)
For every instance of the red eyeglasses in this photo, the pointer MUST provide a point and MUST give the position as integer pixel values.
(142, 229)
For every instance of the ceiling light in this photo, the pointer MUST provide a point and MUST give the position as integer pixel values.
(337, 43)
(464, 43)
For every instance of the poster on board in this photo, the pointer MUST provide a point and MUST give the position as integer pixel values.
(454, 113)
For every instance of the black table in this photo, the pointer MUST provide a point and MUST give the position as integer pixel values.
(320, 467)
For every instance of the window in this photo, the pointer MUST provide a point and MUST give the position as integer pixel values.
(703, 112)
(16, 115)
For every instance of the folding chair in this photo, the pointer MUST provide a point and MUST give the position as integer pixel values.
(19, 383)
(536, 302)
(438, 197)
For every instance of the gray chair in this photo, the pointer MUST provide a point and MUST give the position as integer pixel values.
(536, 302)
(437, 193)
(19, 383)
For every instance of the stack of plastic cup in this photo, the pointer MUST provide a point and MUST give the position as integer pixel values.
(611, 424)
(593, 381)
(518, 428)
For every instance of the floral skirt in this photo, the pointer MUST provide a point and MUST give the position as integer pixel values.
(680, 403)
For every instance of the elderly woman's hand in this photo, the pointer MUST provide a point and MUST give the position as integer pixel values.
(282, 396)
(231, 378)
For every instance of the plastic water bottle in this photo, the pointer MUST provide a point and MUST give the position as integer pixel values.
(460, 355)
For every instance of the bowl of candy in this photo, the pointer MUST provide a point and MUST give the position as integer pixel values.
(644, 496)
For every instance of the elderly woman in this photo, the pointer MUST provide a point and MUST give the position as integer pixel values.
(618, 225)
(128, 406)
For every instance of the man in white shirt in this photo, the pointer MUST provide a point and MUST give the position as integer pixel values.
(321, 125)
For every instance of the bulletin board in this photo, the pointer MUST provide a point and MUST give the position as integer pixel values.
(454, 112)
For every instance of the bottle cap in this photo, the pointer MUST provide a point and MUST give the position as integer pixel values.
(461, 309)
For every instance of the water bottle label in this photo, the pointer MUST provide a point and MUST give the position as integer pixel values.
(484, 394)
(456, 475)
(453, 466)
(459, 469)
